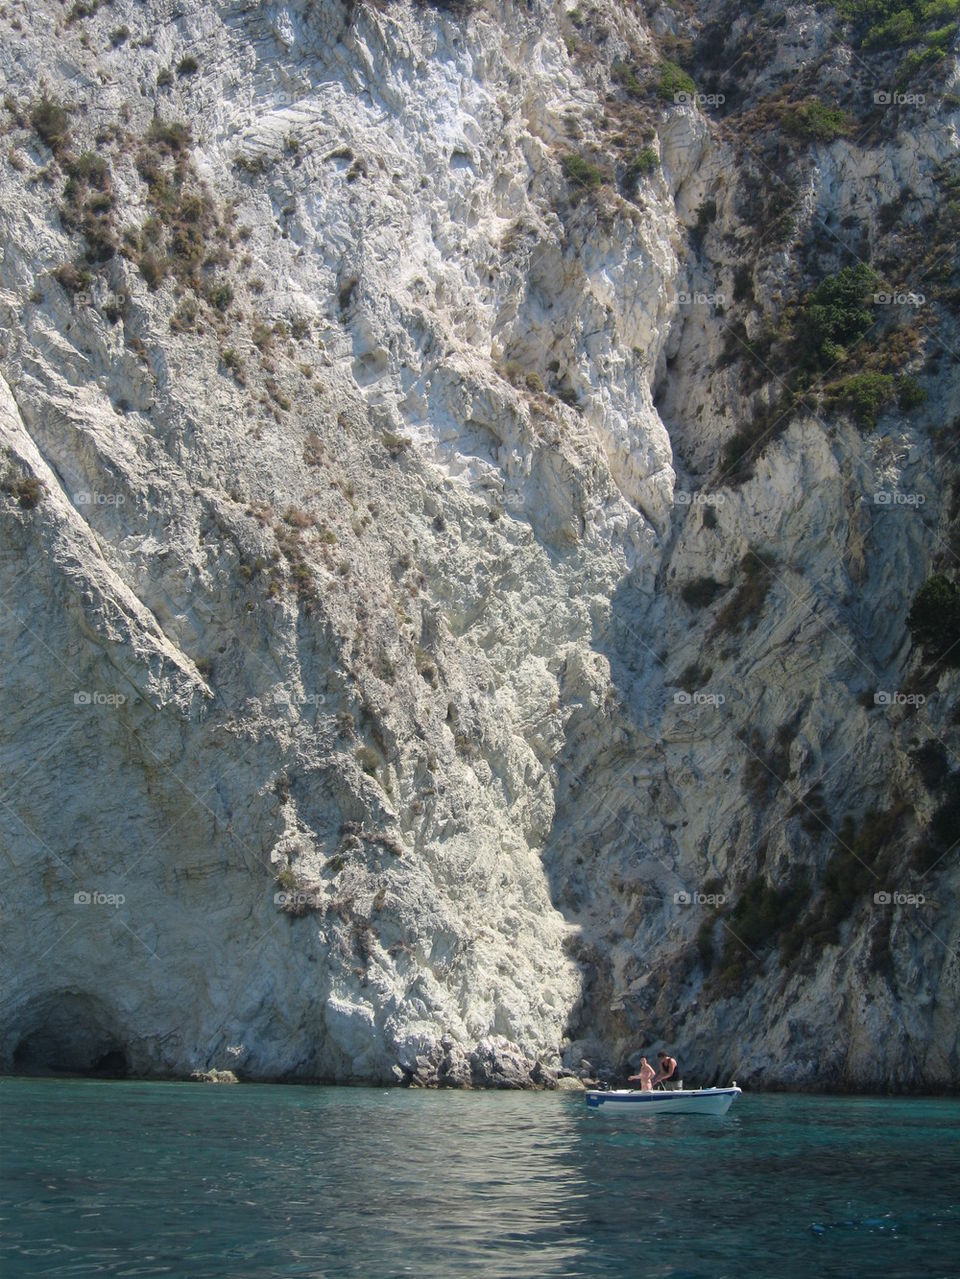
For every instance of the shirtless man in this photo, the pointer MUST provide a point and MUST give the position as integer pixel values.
(644, 1076)
(666, 1075)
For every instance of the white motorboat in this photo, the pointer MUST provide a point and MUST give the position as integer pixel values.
(680, 1101)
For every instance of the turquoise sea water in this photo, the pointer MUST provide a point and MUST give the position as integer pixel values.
(118, 1178)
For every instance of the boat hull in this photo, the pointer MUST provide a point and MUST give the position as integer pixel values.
(691, 1101)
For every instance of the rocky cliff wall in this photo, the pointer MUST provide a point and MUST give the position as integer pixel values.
(448, 579)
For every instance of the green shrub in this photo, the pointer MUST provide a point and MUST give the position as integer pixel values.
(84, 10)
(643, 163)
(934, 620)
(768, 763)
(747, 603)
(939, 847)
(898, 24)
(761, 911)
(188, 65)
(894, 23)
(625, 77)
(73, 278)
(745, 445)
(743, 284)
(915, 60)
(693, 676)
(673, 80)
(220, 296)
(171, 139)
(255, 165)
(704, 940)
(184, 318)
(368, 759)
(864, 395)
(931, 763)
(816, 121)
(854, 872)
(834, 315)
(27, 489)
(89, 169)
(581, 172)
(812, 811)
(941, 38)
(934, 10)
(262, 336)
(899, 28)
(51, 122)
(153, 269)
(760, 918)
(88, 204)
(234, 363)
(910, 394)
(183, 234)
(706, 213)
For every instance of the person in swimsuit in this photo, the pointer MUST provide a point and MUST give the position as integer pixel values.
(644, 1076)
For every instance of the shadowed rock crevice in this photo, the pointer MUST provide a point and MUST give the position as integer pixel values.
(70, 1034)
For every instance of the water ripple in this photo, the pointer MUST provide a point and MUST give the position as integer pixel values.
(137, 1179)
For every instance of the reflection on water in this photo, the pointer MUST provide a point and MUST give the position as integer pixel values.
(174, 1179)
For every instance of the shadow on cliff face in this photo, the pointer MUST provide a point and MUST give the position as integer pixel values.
(604, 792)
(635, 830)
(72, 1034)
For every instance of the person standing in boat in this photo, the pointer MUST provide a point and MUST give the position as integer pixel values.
(644, 1076)
(667, 1074)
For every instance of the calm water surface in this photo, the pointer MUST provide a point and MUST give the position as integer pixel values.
(149, 1179)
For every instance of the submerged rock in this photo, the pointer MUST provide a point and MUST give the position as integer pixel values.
(214, 1077)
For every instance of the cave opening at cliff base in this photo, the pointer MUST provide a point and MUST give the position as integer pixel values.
(70, 1034)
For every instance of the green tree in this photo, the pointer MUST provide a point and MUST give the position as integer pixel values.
(934, 619)
(834, 315)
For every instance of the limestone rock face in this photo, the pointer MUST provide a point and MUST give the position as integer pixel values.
(357, 723)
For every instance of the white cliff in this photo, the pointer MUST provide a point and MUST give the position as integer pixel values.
(340, 724)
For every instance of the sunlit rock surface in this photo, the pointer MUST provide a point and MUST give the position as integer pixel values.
(355, 723)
